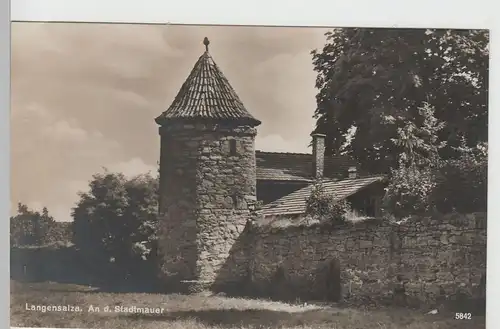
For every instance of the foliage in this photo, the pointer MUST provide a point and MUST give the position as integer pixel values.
(414, 180)
(418, 144)
(323, 206)
(59, 233)
(454, 185)
(408, 102)
(408, 191)
(115, 223)
(373, 84)
(29, 227)
(462, 183)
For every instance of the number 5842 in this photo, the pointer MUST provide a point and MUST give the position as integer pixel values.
(463, 316)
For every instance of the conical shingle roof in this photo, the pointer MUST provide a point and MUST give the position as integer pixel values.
(207, 95)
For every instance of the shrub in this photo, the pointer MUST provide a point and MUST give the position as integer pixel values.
(462, 185)
(323, 206)
(59, 233)
(408, 191)
(451, 185)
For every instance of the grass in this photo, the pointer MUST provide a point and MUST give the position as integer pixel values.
(212, 312)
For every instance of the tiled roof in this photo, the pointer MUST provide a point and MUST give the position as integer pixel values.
(298, 166)
(295, 203)
(207, 94)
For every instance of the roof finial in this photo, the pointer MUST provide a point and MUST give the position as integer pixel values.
(206, 42)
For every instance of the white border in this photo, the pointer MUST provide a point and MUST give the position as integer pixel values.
(5, 152)
(382, 13)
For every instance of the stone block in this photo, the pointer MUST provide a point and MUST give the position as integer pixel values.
(365, 244)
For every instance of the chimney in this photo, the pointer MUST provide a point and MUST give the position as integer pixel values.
(318, 154)
(352, 172)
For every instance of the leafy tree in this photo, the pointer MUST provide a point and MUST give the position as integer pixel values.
(29, 227)
(413, 181)
(373, 84)
(115, 223)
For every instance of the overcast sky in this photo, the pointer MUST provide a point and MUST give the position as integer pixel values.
(84, 96)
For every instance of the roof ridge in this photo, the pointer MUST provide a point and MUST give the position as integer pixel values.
(298, 153)
(328, 180)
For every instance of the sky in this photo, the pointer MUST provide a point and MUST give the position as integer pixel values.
(84, 97)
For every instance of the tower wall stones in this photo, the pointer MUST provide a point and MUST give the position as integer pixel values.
(207, 189)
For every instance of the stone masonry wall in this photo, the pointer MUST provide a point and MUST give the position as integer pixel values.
(226, 191)
(429, 259)
(206, 192)
(177, 236)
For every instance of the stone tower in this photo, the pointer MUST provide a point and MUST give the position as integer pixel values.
(207, 175)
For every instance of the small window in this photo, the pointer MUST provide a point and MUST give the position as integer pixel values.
(232, 147)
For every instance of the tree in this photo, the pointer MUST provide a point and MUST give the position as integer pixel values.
(29, 227)
(115, 223)
(414, 180)
(372, 83)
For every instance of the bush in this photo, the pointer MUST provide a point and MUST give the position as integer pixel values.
(59, 233)
(323, 206)
(462, 185)
(455, 185)
(408, 192)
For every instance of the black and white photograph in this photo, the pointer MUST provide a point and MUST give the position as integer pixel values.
(213, 176)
